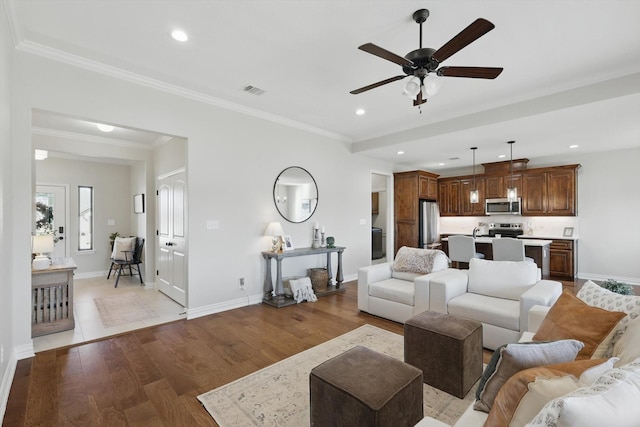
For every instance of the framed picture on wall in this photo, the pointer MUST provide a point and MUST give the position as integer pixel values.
(288, 244)
(138, 203)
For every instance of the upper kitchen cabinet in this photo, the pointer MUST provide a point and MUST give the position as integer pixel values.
(550, 191)
(466, 207)
(409, 188)
(449, 197)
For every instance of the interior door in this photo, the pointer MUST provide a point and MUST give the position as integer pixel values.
(51, 215)
(172, 236)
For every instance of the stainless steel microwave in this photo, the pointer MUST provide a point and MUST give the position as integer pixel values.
(503, 207)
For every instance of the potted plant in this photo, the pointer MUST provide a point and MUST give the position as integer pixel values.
(112, 238)
(621, 288)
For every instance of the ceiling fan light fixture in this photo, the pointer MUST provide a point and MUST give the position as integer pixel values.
(431, 86)
(412, 88)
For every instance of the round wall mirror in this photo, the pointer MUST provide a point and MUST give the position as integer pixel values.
(295, 194)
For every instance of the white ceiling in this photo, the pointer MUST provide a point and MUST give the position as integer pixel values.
(571, 68)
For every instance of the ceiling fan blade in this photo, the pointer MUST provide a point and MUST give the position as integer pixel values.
(385, 54)
(474, 31)
(472, 72)
(419, 100)
(375, 85)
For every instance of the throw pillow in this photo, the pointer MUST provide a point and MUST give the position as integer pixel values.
(597, 296)
(628, 346)
(570, 318)
(122, 245)
(512, 358)
(524, 394)
(611, 401)
(415, 260)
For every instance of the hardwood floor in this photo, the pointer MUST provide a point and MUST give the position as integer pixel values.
(152, 376)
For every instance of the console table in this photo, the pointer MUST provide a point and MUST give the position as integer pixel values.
(52, 298)
(278, 298)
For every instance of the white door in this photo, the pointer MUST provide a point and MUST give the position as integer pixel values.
(172, 234)
(51, 215)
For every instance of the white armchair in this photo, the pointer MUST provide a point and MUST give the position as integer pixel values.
(385, 290)
(499, 294)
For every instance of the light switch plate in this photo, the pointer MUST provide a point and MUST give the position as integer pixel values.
(363, 222)
(213, 224)
(111, 222)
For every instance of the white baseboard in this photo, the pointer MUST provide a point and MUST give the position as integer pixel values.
(5, 386)
(600, 278)
(24, 351)
(90, 274)
(193, 313)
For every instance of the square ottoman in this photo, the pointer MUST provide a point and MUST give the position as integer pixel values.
(362, 387)
(448, 350)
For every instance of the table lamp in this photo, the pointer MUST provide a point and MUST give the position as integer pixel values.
(40, 245)
(275, 231)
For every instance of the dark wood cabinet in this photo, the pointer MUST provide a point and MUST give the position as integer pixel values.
(409, 189)
(550, 191)
(494, 186)
(375, 203)
(466, 207)
(561, 259)
(449, 197)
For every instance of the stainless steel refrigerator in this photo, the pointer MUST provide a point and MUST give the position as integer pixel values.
(429, 218)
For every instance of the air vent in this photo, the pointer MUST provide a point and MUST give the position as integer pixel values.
(253, 90)
(454, 158)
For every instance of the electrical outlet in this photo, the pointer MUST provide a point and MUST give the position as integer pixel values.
(242, 283)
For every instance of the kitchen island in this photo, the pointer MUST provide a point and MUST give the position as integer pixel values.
(538, 249)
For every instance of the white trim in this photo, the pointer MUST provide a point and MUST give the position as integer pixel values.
(601, 278)
(24, 351)
(390, 231)
(5, 387)
(98, 67)
(171, 173)
(94, 139)
(193, 313)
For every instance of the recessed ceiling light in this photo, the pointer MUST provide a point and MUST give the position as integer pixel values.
(574, 146)
(440, 164)
(400, 153)
(179, 35)
(502, 156)
(41, 154)
(104, 128)
(360, 112)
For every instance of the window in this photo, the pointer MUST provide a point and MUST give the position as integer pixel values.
(85, 218)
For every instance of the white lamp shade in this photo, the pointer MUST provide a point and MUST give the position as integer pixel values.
(431, 86)
(473, 196)
(512, 194)
(42, 243)
(412, 88)
(274, 229)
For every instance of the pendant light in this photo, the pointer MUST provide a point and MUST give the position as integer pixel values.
(512, 192)
(473, 194)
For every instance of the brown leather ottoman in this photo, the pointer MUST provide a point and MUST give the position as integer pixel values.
(448, 350)
(362, 387)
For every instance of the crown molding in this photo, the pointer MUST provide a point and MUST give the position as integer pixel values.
(75, 136)
(98, 67)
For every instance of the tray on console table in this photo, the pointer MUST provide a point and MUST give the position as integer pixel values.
(52, 298)
(275, 296)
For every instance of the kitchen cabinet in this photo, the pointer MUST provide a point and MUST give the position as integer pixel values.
(409, 189)
(449, 197)
(550, 191)
(466, 207)
(375, 203)
(562, 255)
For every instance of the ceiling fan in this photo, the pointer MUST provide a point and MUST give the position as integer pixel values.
(420, 62)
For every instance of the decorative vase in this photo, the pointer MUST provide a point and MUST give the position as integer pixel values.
(331, 242)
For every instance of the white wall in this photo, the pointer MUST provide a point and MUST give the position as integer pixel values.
(7, 341)
(232, 162)
(112, 200)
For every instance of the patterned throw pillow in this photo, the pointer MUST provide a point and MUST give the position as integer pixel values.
(597, 296)
(415, 260)
(612, 400)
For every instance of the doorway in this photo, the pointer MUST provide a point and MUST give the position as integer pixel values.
(381, 217)
(52, 207)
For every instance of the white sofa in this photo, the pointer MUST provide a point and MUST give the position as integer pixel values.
(625, 346)
(498, 294)
(388, 290)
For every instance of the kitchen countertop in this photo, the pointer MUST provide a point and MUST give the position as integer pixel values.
(523, 236)
(528, 241)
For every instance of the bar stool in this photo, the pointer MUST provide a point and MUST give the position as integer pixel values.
(509, 249)
(462, 249)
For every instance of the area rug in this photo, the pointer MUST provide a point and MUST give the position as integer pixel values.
(120, 309)
(278, 395)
